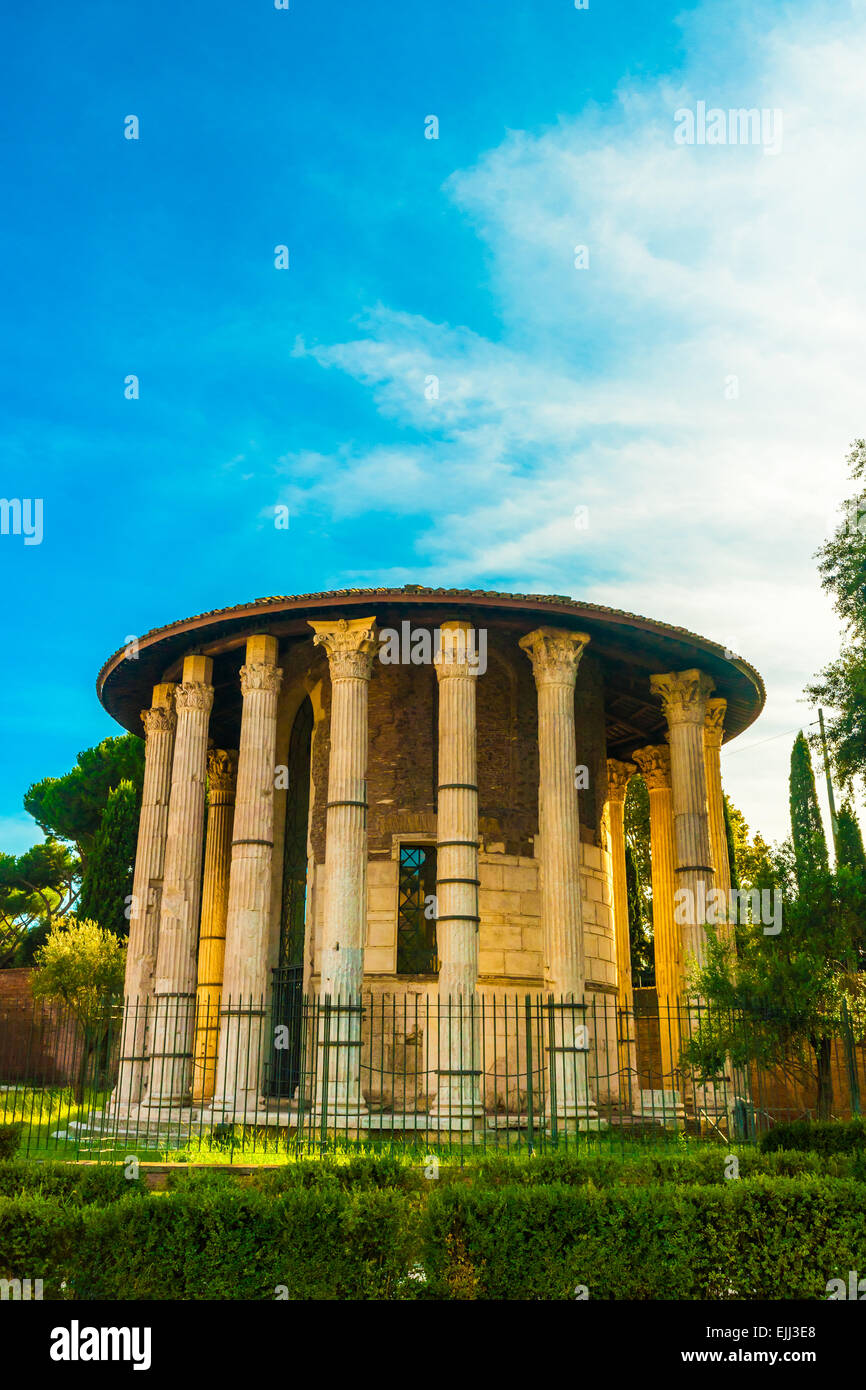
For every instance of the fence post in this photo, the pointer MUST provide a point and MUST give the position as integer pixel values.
(528, 1072)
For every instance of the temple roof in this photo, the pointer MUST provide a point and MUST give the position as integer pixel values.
(630, 648)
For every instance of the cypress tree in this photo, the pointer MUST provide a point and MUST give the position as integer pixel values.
(807, 830)
(107, 882)
(850, 841)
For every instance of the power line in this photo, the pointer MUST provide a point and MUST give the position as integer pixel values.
(784, 734)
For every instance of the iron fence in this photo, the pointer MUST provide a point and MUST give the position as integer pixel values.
(406, 1069)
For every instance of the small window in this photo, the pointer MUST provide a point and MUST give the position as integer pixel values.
(416, 921)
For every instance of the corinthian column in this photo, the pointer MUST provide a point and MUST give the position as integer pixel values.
(555, 655)
(174, 1002)
(458, 1097)
(159, 724)
(722, 915)
(684, 700)
(619, 774)
(222, 766)
(350, 646)
(655, 765)
(714, 727)
(245, 976)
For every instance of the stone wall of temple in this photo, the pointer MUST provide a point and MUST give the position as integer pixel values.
(401, 790)
(510, 945)
(402, 773)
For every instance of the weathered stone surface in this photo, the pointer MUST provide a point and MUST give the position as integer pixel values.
(175, 975)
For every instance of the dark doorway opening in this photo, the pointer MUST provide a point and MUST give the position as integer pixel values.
(288, 977)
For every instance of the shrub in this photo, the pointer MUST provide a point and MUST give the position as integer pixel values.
(768, 1238)
(763, 1237)
(10, 1140)
(214, 1243)
(356, 1172)
(84, 1185)
(40, 1238)
(701, 1167)
(828, 1137)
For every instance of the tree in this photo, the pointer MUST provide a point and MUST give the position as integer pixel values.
(729, 843)
(640, 936)
(107, 884)
(849, 840)
(95, 806)
(753, 865)
(638, 869)
(807, 830)
(81, 967)
(783, 1000)
(71, 806)
(35, 888)
(841, 686)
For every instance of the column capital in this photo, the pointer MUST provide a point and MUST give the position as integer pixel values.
(654, 762)
(260, 675)
(714, 723)
(222, 769)
(350, 645)
(455, 649)
(159, 720)
(619, 774)
(194, 695)
(683, 695)
(555, 654)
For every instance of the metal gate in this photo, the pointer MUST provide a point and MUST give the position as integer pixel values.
(283, 1072)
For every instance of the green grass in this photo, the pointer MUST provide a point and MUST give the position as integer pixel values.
(47, 1111)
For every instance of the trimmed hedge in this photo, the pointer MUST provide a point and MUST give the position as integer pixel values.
(106, 1182)
(708, 1167)
(84, 1184)
(826, 1137)
(389, 1173)
(10, 1140)
(768, 1238)
(216, 1243)
(378, 1172)
(764, 1237)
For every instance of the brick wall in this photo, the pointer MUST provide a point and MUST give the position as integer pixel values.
(37, 1043)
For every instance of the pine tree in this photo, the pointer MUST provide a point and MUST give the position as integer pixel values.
(850, 842)
(107, 884)
(807, 830)
(71, 807)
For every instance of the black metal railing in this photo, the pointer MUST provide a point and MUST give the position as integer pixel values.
(406, 1068)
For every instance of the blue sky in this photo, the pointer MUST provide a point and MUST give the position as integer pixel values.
(603, 387)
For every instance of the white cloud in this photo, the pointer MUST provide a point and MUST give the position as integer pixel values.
(608, 387)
